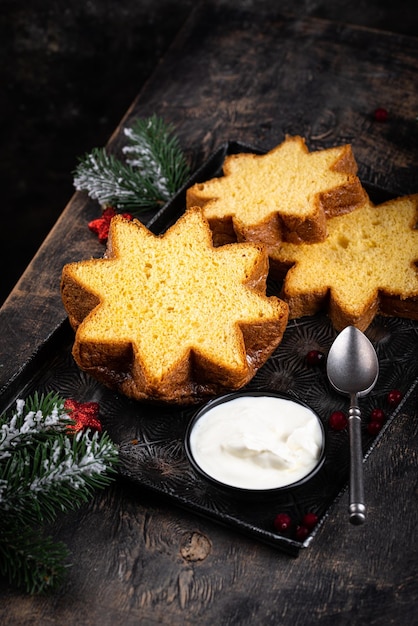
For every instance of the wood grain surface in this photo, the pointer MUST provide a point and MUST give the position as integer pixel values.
(254, 77)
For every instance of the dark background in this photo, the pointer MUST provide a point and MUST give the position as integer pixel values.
(68, 73)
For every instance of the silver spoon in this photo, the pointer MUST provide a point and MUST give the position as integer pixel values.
(352, 369)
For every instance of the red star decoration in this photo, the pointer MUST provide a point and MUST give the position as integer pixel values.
(84, 414)
(101, 225)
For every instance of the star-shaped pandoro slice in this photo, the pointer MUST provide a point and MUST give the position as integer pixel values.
(285, 195)
(170, 317)
(367, 265)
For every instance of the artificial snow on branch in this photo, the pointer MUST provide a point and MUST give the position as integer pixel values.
(154, 169)
(45, 468)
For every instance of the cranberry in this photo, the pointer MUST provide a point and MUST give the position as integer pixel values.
(301, 532)
(394, 397)
(282, 522)
(377, 415)
(374, 427)
(338, 420)
(314, 358)
(381, 115)
(309, 520)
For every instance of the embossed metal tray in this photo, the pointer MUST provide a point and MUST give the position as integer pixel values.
(150, 437)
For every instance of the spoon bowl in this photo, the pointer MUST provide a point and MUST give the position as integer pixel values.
(352, 369)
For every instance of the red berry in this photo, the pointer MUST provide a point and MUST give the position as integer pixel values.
(377, 415)
(282, 522)
(374, 427)
(309, 520)
(338, 420)
(381, 115)
(301, 532)
(314, 358)
(394, 397)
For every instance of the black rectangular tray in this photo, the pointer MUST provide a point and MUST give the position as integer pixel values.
(150, 437)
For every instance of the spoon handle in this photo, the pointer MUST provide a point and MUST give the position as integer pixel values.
(357, 509)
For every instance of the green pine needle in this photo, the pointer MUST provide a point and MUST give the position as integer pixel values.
(154, 169)
(156, 151)
(30, 561)
(43, 471)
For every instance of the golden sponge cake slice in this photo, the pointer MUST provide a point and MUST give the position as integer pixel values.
(170, 317)
(367, 265)
(287, 194)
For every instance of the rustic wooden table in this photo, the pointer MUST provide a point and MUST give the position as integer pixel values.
(254, 77)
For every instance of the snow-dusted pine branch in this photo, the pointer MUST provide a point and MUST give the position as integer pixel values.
(44, 468)
(154, 169)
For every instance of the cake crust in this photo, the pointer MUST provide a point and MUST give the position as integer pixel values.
(172, 318)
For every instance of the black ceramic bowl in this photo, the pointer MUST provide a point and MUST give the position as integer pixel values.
(215, 479)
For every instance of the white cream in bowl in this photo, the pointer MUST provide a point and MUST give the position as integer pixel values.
(256, 441)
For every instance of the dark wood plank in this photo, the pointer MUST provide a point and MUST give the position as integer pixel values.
(254, 77)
